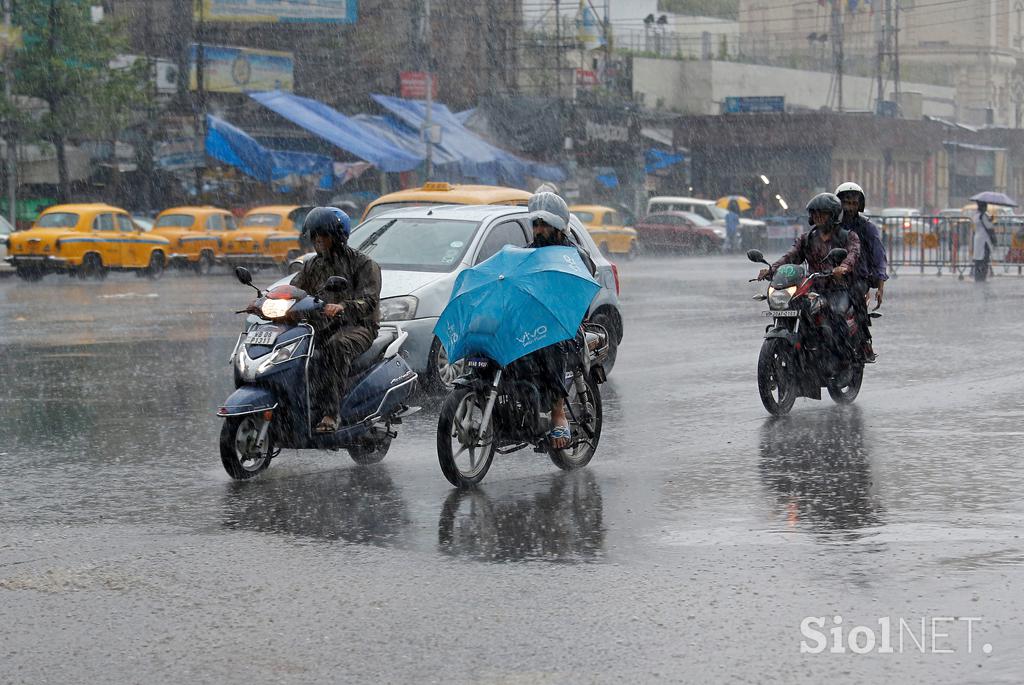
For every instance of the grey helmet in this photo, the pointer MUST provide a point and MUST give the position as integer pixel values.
(825, 202)
(551, 209)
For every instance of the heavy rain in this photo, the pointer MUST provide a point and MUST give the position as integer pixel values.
(537, 341)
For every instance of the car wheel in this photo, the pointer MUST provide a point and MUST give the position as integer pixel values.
(156, 266)
(441, 373)
(205, 263)
(614, 335)
(28, 273)
(634, 251)
(92, 268)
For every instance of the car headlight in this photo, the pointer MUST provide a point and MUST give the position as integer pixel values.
(275, 309)
(720, 232)
(779, 299)
(398, 308)
(281, 354)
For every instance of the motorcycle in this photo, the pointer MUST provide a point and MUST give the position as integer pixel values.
(490, 411)
(270, 409)
(803, 349)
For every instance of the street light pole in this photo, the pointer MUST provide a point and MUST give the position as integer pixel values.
(12, 186)
(428, 117)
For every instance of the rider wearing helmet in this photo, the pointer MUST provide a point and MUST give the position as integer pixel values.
(351, 318)
(549, 217)
(872, 265)
(825, 214)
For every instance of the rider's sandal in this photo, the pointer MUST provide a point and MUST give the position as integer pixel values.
(328, 424)
(560, 432)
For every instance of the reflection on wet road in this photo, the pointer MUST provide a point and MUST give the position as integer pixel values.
(701, 535)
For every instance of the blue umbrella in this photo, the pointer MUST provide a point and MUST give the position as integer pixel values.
(994, 198)
(516, 302)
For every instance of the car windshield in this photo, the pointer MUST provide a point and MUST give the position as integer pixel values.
(261, 220)
(388, 206)
(57, 220)
(175, 221)
(697, 219)
(585, 217)
(717, 211)
(414, 244)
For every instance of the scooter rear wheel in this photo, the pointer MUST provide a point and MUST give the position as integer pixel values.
(238, 451)
(775, 382)
(463, 456)
(586, 409)
(846, 394)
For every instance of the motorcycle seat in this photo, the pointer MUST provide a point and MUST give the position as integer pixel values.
(367, 359)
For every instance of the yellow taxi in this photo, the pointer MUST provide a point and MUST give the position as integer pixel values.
(267, 236)
(436, 193)
(196, 235)
(86, 240)
(607, 227)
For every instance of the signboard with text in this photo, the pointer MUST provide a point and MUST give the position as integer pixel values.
(413, 85)
(754, 105)
(278, 11)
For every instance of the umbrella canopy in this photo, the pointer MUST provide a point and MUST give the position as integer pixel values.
(516, 302)
(742, 202)
(994, 198)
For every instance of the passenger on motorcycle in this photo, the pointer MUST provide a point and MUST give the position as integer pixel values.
(825, 213)
(872, 266)
(351, 318)
(549, 216)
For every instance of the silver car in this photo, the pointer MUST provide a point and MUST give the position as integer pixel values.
(421, 251)
(5, 231)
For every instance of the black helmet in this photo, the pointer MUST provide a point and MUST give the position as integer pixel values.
(328, 221)
(825, 202)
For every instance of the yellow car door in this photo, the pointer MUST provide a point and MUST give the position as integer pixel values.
(133, 249)
(112, 247)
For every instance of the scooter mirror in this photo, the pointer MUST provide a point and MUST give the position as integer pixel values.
(336, 284)
(835, 256)
(243, 275)
(755, 256)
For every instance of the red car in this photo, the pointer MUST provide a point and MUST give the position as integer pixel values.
(676, 231)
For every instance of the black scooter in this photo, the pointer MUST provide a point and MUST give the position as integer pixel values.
(270, 409)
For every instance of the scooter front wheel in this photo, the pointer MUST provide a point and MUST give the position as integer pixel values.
(240, 451)
(463, 450)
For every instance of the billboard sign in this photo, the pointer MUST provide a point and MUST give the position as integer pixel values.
(278, 11)
(754, 105)
(241, 70)
(413, 85)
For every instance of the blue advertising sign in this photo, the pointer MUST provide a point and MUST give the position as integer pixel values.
(754, 105)
(274, 11)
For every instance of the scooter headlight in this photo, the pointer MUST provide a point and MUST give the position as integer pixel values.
(281, 354)
(275, 309)
(779, 299)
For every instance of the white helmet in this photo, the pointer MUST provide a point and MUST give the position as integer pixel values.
(851, 187)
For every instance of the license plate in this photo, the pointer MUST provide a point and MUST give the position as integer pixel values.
(261, 338)
(782, 312)
(476, 363)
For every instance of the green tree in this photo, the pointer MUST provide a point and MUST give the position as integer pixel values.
(66, 63)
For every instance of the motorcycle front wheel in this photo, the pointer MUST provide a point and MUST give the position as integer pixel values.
(239, 454)
(847, 393)
(775, 382)
(585, 411)
(463, 452)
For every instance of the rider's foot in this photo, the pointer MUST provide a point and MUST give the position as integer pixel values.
(328, 424)
(869, 354)
(559, 437)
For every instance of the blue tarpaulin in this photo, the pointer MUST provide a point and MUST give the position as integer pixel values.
(342, 131)
(234, 146)
(658, 159)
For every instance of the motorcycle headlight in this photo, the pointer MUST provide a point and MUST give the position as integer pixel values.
(779, 299)
(398, 308)
(275, 309)
(281, 354)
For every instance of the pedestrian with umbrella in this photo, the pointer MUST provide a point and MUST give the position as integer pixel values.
(984, 232)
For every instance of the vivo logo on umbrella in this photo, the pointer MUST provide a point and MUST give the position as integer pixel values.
(572, 263)
(530, 337)
(453, 335)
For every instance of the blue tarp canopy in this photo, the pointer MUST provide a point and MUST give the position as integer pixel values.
(655, 159)
(344, 132)
(234, 146)
(474, 157)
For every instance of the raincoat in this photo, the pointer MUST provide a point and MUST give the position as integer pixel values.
(983, 230)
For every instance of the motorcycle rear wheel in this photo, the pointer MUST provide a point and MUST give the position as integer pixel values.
(586, 409)
(238, 451)
(775, 383)
(846, 394)
(464, 458)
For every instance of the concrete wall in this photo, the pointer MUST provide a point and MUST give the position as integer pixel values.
(700, 87)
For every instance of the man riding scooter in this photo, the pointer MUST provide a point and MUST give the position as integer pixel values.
(825, 217)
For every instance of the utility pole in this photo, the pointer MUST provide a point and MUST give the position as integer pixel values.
(151, 72)
(880, 31)
(199, 116)
(558, 48)
(428, 117)
(837, 49)
(12, 184)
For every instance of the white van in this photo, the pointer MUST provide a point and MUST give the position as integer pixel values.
(705, 208)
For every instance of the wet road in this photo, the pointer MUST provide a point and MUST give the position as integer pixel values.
(700, 539)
